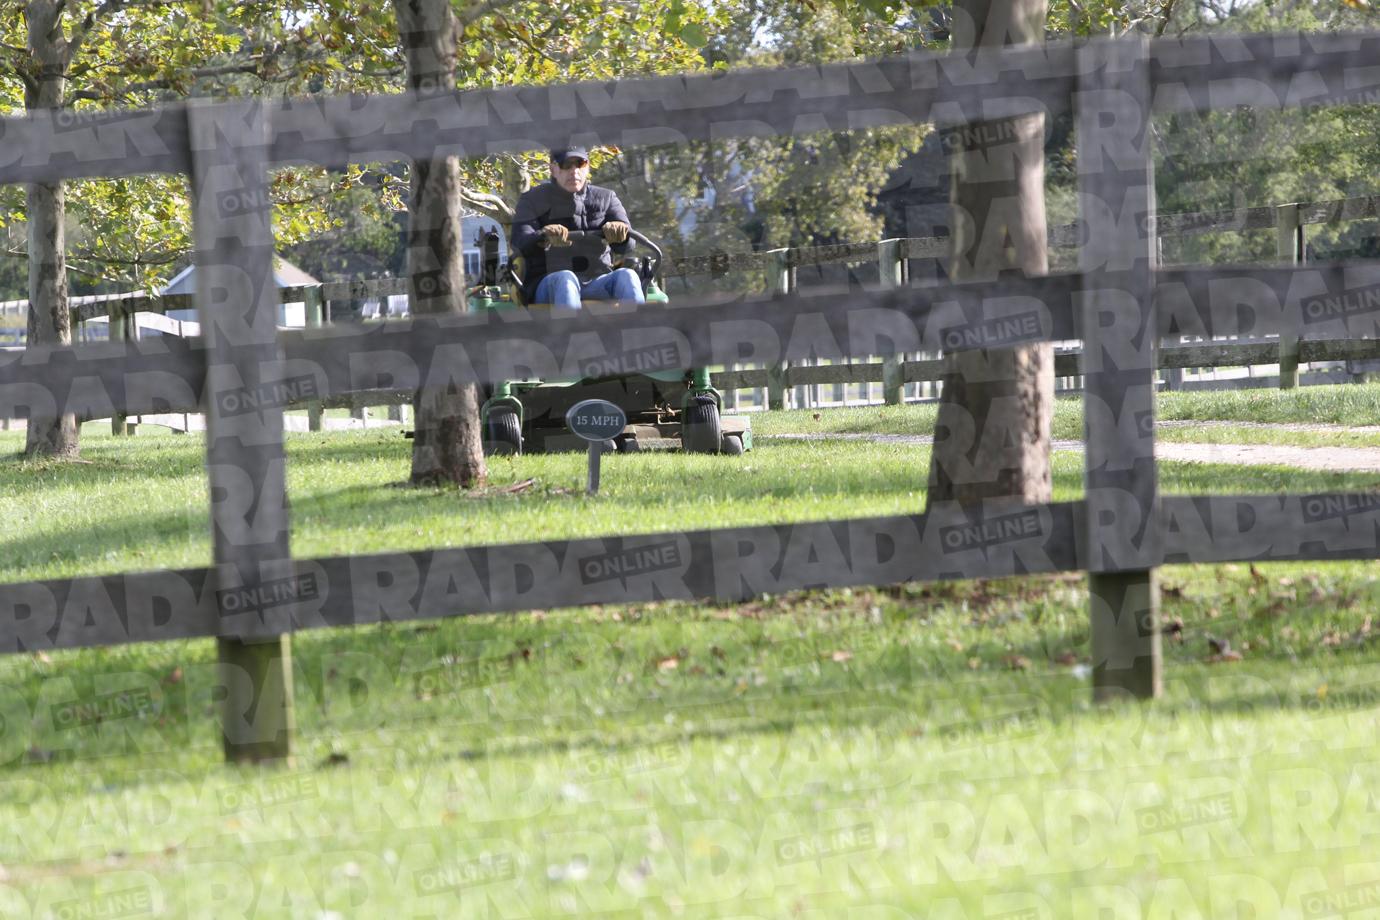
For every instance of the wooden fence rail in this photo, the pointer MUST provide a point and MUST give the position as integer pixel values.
(243, 372)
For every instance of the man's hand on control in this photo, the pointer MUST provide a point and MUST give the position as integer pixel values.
(615, 231)
(556, 235)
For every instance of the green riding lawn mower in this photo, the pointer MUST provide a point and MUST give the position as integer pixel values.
(666, 410)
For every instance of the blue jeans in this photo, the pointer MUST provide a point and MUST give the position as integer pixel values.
(564, 289)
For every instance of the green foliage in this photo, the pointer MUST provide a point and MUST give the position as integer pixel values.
(539, 43)
(734, 195)
(133, 232)
(1084, 18)
(1257, 156)
(754, 193)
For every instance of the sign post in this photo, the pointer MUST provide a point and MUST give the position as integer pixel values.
(595, 420)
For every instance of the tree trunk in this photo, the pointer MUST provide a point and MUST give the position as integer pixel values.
(447, 445)
(996, 409)
(50, 320)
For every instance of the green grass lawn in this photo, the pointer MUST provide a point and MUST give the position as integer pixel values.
(1341, 405)
(915, 751)
(141, 503)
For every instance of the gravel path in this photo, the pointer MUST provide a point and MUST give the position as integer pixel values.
(1328, 459)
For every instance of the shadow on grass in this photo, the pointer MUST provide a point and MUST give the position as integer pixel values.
(818, 715)
(85, 546)
(103, 465)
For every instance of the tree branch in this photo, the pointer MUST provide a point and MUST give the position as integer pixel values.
(105, 8)
(19, 68)
(72, 267)
(57, 19)
(477, 11)
(1166, 14)
(164, 82)
(86, 255)
(490, 205)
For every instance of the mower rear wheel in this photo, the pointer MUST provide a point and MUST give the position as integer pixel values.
(502, 432)
(700, 430)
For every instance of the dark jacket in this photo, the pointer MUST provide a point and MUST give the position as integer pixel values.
(548, 203)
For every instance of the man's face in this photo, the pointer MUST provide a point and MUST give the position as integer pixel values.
(572, 175)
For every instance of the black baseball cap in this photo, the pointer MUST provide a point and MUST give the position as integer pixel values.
(560, 154)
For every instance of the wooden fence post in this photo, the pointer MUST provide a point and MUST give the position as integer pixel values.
(237, 303)
(891, 268)
(1173, 376)
(730, 394)
(1120, 535)
(780, 281)
(1289, 249)
(314, 319)
(120, 322)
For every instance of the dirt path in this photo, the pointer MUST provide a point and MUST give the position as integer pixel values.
(1319, 427)
(1327, 459)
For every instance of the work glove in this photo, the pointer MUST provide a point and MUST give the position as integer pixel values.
(615, 231)
(556, 235)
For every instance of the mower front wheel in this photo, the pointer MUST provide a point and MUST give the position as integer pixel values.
(733, 445)
(700, 430)
(502, 432)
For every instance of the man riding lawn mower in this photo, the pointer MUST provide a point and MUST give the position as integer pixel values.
(566, 233)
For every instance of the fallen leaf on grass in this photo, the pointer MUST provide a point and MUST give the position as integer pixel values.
(1174, 627)
(174, 676)
(1016, 662)
(1221, 651)
(1067, 659)
(841, 655)
(668, 664)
